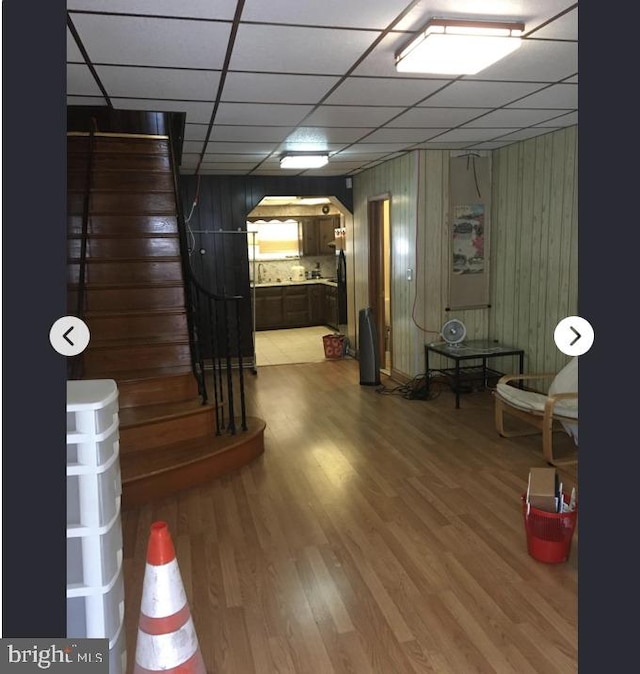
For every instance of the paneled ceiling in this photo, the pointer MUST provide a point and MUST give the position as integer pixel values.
(258, 78)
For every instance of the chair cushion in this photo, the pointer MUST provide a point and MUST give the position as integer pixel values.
(534, 402)
(566, 381)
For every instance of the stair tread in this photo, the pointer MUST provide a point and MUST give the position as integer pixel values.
(132, 376)
(137, 465)
(149, 340)
(115, 313)
(133, 284)
(143, 414)
(110, 260)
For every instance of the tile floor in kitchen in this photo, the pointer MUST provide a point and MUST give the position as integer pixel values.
(293, 345)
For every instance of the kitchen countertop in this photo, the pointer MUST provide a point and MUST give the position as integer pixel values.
(306, 282)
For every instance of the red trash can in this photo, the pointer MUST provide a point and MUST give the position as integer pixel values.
(333, 345)
(549, 535)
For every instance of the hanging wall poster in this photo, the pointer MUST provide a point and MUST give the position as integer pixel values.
(468, 239)
(469, 231)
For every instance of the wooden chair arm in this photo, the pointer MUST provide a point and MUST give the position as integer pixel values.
(551, 401)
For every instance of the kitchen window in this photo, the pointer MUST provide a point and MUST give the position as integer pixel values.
(273, 239)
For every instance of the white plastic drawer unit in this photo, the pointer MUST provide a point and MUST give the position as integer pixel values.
(118, 653)
(93, 499)
(93, 558)
(98, 614)
(89, 452)
(92, 406)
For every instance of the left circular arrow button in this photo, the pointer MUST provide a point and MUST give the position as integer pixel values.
(69, 336)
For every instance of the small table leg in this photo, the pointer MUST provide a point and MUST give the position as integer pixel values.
(428, 377)
(457, 384)
(521, 366)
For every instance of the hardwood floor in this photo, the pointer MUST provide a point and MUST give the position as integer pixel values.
(375, 535)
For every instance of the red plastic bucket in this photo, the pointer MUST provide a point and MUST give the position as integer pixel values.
(549, 535)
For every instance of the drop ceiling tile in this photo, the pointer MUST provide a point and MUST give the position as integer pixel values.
(424, 117)
(220, 147)
(359, 153)
(380, 147)
(442, 145)
(569, 119)
(149, 41)
(471, 135)
(172, 83)
(560, 96)
(234, 158)
(535, 61)
(376, 14)
(382, 90)
(73, 53)
(192, 146)
(388, 135)
(269, 134)
(480, 94)
(512, 118)
(195, 131)
(80, 81)
(196, 112)
(344, 165)
(283, 49)
(195, 9)
(229, 166)
(351, 115)
(323, 136)
(524, 134)
(261, 113)
(563, 28)
(271, 88)
(289, 146)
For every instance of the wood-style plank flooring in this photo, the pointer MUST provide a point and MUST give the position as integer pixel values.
(375, 535)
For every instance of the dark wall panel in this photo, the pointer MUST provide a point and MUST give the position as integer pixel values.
(223, 203)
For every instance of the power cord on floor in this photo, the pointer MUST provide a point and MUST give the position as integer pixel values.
(416, 389)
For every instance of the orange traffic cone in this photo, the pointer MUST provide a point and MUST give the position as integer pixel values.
(167, 640)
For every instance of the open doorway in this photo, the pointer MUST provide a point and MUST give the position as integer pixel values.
(380, 276)
(298, 292)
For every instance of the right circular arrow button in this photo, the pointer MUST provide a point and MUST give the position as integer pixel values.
(573, 336)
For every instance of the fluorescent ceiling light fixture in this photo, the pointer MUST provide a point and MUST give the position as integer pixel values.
(304, 160)
(458, 47)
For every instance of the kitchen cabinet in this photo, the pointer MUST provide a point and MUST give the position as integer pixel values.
(269, 310)
(295, 306)
(317, 303)
(316, 234)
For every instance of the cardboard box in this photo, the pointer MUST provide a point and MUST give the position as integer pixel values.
(543, 490)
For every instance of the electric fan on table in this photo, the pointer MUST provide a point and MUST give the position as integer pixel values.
(453, 332)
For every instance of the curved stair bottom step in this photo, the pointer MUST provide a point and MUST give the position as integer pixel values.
(175, 468)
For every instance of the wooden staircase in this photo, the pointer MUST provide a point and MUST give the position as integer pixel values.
(134, 306)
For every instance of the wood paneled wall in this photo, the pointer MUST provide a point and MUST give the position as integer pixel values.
(533, 253)
(396, 179)
(535, 244)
